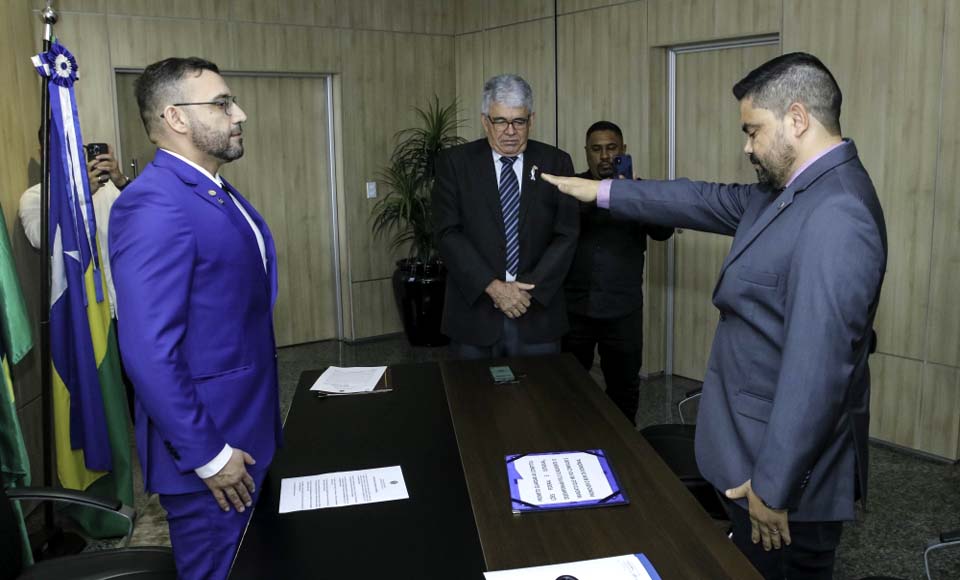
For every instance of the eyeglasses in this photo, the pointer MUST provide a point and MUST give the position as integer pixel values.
(226, 104)
(500, 124)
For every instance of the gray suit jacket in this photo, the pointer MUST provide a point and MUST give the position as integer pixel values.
(786, 394)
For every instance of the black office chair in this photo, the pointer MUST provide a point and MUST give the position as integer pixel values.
(140, 563)
(674, 443)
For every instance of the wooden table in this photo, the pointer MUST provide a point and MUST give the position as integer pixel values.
(441, 531)
(555, 406)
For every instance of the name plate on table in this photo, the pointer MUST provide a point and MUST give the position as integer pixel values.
(562, 480)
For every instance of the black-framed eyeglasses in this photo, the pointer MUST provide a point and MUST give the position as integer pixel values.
(500, 124)
(226, 104)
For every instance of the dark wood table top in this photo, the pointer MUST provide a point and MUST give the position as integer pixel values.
(431, 535)
(555, 406)
(444, 532)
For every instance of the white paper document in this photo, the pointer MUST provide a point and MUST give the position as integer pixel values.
(346, 380)
(342, 488)
(628, 567)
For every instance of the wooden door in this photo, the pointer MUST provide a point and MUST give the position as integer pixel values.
(709, 146)
(285, 173)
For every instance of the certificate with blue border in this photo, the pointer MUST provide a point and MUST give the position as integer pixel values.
(562, 480)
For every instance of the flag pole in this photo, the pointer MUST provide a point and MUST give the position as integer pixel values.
(54, 541)
(49, 17)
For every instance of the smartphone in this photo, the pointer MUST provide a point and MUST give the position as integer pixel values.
(502, 375)
(623, 165)
(94, 149)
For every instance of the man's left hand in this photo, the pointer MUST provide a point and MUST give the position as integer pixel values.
(767, 525)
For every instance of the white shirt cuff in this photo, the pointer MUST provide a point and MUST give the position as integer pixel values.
(215, 465)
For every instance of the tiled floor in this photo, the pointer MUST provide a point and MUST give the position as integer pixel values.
(912, 499)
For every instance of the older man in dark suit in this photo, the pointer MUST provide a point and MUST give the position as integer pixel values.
(506, 237)
(783, 422)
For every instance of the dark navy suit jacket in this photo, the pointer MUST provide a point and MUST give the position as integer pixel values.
(196, 326)
(786, 393)
(468, 227)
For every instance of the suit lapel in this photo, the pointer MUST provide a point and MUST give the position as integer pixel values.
(489, 188)
(783, 201)
(247, 232)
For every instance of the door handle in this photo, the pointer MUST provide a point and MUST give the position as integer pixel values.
(135, 167)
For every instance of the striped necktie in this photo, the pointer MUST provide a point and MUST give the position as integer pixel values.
(510, 204)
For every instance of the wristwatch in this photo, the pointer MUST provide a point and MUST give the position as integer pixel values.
(125, 183)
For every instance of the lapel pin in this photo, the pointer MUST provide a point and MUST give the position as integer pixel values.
(533, 173)
(212, 192)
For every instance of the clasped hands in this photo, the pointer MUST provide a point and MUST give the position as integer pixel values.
(767, 525)
(511, 298)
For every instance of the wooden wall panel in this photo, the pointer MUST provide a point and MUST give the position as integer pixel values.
(568, 6)
(424, 16)
(375, 311)
(267, 47)
(895, 128)
(528, 50)
(674, 22)
(470, 79)
(302, 12)
(137, 42)
(605, 79)
(895, 398)
(208, 9)
(384, 78)
(64, 6)
(506, 12)
(470, 15)
(943, 332)
(938, 428)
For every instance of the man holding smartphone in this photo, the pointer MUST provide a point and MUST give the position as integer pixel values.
(604, 287)
(106, 182)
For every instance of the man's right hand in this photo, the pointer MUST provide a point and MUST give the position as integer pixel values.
(232, 485)
(511, 298)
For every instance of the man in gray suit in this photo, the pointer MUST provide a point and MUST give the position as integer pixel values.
(783, 421)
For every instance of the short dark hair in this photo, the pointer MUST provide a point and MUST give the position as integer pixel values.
(796, 77)
(604, 126)
(158, 86)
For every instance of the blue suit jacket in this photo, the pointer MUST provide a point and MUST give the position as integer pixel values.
(786, 393)
(196, 325)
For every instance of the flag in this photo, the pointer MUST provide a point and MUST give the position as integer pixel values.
(16, 342)
(91, 426)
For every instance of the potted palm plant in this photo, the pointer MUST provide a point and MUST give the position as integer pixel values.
(404, 215)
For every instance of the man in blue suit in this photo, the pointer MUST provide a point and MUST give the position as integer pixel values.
(196, 275)
(783, 421)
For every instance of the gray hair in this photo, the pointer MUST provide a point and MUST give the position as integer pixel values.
(508, 90)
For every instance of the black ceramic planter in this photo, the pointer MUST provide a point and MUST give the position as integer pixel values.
(418, 288)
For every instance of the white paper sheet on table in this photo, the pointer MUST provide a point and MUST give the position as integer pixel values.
(627, 567)
(342, 488)
(345, 380)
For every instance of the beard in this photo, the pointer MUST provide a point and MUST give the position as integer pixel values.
(217, 144)
(773, 169)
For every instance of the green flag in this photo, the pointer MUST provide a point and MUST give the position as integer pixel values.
(16, 342)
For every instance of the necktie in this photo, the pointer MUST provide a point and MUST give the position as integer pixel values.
(510, 204)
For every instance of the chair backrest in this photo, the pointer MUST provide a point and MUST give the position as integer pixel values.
(11, 557)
